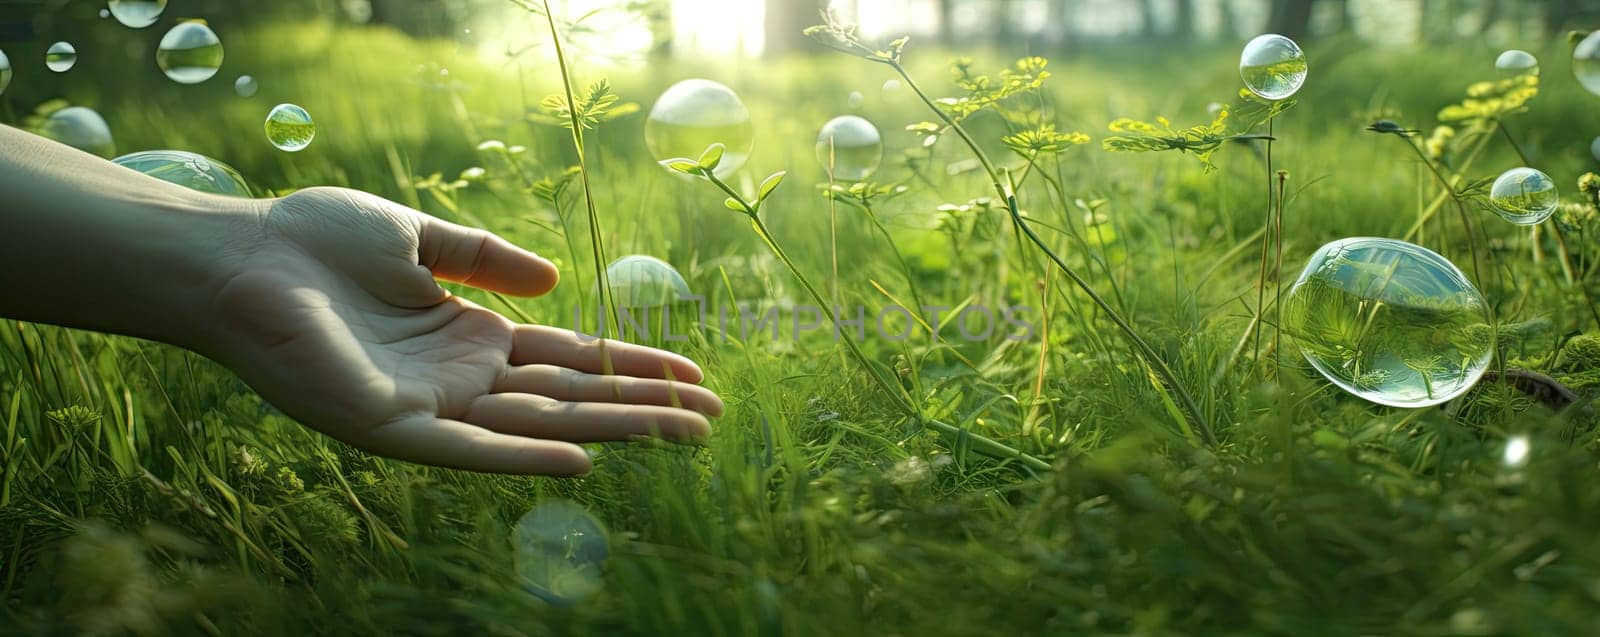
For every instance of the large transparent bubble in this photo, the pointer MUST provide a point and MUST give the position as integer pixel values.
(641, 281)
(849, 148)
(1389, 321)
(1586, 62)
(189, 53)
(1273, 66)
(1524, 196)
(559, 551)
(82, 128)
(692, 115)
(196, 172)
(137, 14)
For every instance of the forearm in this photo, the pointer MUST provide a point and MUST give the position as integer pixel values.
(88, 244)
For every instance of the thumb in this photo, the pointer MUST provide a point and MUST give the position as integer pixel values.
(482, 260)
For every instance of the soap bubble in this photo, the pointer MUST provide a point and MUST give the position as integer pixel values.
(694, 114)
(1389, 321)
(1594, 146)
(640, 281)
(290, 128)
(1523, 196)
(558, 551)
(1273, 67)
(855, 100)
(105, 13)
(1586, 62)
(5, 72)
(245, 86)
(849, 148)
(890, 86)
(60, 57)
(137, 14)
(190, 53)
(81, 128)
(1516, 62)
(196, 172)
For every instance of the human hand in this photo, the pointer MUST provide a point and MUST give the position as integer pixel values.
(328, 307)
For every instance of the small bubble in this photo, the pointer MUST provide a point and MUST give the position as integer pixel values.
(1273, 66)
(5, 72)
(855, 100)
(891, 86)
(189, 53)
(290, 128)
(189, 170)
(1516, 62)
(136, 14)
(1594, 146)
(82, 128)
(1524, 196)
(849, 147)
(60, 57)
(245, 86)
(105, 13)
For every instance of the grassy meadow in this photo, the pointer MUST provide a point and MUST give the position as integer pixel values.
(147, 490)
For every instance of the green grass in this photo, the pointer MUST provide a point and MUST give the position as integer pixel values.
(146, 488)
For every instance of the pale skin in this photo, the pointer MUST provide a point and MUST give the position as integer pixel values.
(325, 302)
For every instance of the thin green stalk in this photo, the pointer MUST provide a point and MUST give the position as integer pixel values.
(597, 247)
(1144, 349)
(1450, 191)
(977, 442)
(1266, 247)
(1277, 275)
(1561, 235)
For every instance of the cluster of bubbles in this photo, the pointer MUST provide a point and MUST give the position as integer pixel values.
(1389, 321)
(189, 53)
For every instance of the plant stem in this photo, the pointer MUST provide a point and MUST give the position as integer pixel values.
(1561, 235)
(597, 247)
(1144, 349)
(1266, 249)
(978, 442)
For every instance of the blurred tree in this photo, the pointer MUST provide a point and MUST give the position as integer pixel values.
(785, 20)
(947, 27)
(1291, 18)
(1183, 27)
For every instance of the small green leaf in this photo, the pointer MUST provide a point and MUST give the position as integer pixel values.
(733, 204)
(712, 156)
(683, 165)
(769, 184)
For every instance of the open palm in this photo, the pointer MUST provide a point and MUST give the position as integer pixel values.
(333, 315)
